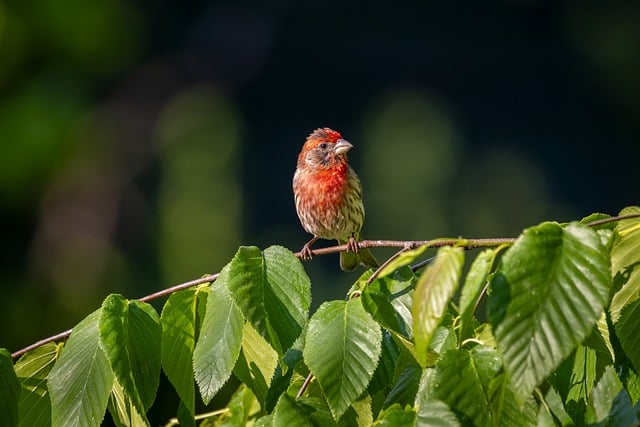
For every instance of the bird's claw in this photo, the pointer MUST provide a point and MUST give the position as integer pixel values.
(352, 245)
(306, 253)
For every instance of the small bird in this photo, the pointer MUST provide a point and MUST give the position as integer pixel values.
(328, 197)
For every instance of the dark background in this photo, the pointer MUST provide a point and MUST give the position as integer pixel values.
(143, 142)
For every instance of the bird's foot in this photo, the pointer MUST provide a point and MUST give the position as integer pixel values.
(305, 253)
(352, 245)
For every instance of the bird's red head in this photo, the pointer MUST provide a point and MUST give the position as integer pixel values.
(324, 148)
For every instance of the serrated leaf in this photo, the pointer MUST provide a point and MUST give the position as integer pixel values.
(290, 413)
(273, 292)
(436, 413)
(383, 375)
(434, 290)
(548, 292)
(602, 396)
(342, 348)
(130, 335)
(397, 416)
(282, 380)
(405, 258)
(32, 370)
(9, 390)
(121, 408)
(256, 364)
(625, 260)
(505, 409)
(627, 331)
(389, 301)
(178, 321)
(80, 382)
(473, 284)
(461, 379)
(219, 342)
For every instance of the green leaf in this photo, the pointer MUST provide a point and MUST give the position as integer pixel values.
(257, 363)
(461, 379)
(505, 408)
(290, 413)
(397, 416)
(9, 390)
(472, 288)
(81, 380)
(554, 402)
(627, 331)
(32, 370)
(273, 292)
(282, 380)
(548, 292)
(178, 321)
(389, 301)
(602, 396)
(434, 290)
(130, 334)
(219, 342)
(625, 261)
(240, 408)
(342, 347)
(405, 258)
(436, 413)
(383, 375)
(121, 408)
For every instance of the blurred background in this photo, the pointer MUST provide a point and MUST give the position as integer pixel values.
(144, 141)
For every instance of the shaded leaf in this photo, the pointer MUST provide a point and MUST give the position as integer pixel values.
(273, 292)
(434, 290)
(436, 413)
(548, 292)
(627, 331)
(397, 416)
(472, 288)
(289, 413)
(342, 348)
(130, 336)
(9, 390)
(389, 300)
(405, 258)
(81, 380)
(178, 321)
(460, 378)
(32, 370)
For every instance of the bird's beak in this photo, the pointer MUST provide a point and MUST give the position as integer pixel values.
(342, 146)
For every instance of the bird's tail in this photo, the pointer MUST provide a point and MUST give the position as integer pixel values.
(350, 260)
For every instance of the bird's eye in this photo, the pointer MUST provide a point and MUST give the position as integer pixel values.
(323, 146)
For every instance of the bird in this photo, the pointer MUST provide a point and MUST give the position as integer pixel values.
(328, 197)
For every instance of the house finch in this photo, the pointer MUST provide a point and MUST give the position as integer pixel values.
(328, 197)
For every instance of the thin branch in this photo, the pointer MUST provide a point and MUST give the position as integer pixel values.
(402, 244)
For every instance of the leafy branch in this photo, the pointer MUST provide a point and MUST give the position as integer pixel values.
(563, 301)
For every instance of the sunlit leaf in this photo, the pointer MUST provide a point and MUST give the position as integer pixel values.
(625, 260)
(342, 348)
(256, 364)
(219, 342)
(32, 370)
(434, 290)
(405, 258)
(9, 390)
(273, 292)
(547, 294)
(81, 380)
